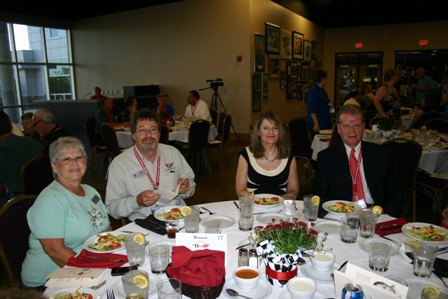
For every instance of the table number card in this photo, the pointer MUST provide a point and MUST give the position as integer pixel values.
(203, 241)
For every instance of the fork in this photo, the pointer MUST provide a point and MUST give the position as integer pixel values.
(210, 212)
(110, 294)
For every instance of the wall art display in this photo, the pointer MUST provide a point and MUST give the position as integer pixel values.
(292, 82)
(257, 91)
(260, 52)
(274, 66)
(307, 51)
(314, 50)
(297, 45)
(285, 44)
(272, 38)
(282, 79)
(305, 73)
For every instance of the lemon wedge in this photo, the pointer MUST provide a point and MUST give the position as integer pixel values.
(315, 200)
(412, 243)
(431, 292)
(377, 210)
(186, 210)
(139, 239)
(252, 194)
(140, 281)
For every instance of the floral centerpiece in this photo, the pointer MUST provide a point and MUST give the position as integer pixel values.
(281, 246)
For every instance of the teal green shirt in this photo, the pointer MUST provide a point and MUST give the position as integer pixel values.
(59, 213)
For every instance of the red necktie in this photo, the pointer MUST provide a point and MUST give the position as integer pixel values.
(358, 190)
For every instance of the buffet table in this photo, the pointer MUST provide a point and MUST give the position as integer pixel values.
(343, 251)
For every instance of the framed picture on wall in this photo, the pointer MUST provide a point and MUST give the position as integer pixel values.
(285, 44)
(282, 79)
(305, 73)
(260, 52)
(274, 66)
(307, 51)
(272, 38)
(257, 91)
(297, 45)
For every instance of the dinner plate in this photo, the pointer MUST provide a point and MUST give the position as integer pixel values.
(153, 280)
(226, 221)
(270, 217)
(328, 226)
(328, 204)
(322, 277)
(262, 290)
(268, 205)
(407, 230)
(285, 295)
(94, 239)
(60, 294)
(364, 244)
(416, 286)
(160, 212)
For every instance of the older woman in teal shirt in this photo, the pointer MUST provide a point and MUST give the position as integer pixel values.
(65, 214)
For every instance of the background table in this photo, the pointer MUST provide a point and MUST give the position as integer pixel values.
(343, 251)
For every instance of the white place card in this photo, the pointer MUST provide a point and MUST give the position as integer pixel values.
(75, 277)
(203, 241)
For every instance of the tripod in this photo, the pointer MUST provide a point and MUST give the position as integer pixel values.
(214, 105)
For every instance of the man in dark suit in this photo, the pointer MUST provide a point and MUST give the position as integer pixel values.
(340, 173)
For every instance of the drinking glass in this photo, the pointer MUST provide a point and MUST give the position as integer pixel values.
(170, 288)
(246, 213)
(135, 284)
(159, 256)
(367, 223)
(134, 250)
(192, 221)
(349, 228)
(212, 226)
(171, 228)
(424, 256)
(379, 255)
(310, 209)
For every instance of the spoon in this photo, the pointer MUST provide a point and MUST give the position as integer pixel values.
(234, 293)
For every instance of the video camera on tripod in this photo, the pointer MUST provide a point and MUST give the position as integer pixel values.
(215, 83)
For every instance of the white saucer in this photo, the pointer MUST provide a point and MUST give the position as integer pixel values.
(285, 295)
(226, 221)
(322, 277)
(328, 226)
(262, 290)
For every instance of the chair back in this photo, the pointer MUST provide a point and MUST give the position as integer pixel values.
(89, 130)
(438, 124)
(430, 115)
(36, 174)
(406, 154)
(226, 128)
(306, 175)
(300, 141)
(164, 135)
(198, 136)
(14, 241)
(110, 139)
(369, 115)
(220, 127)
(214, 116)
(375, 121)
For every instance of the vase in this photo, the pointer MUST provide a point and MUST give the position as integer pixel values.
(278, 274)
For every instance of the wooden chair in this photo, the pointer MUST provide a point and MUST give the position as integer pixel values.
(36, 174)
(197, 143)
(300, 142)
(430, 115)
(14, 240)
(406, 154)
(438, 124)
(217, 144)
(306, 175)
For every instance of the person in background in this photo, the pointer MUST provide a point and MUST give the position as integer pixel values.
(136, 174)
(44, 124)
(15, 151)
(353, 98)
(164, 110)
(27, 126)
(267, 165)
(430, 103)
(104, 115)
(367, 97)
(318, 104)
(387, 101)
(97, 94)
(424, 84)
(356, 170)
(197, 108)
(65, 214)
(129, 109)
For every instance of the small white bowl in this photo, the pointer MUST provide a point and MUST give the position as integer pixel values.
(301, 288)
(246, 277)
(323, 261)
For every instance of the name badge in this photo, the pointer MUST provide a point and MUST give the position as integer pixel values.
(95, 199)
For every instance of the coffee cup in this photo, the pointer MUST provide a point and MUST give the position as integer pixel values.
(323, 261)
(301, 288)
(246, 277)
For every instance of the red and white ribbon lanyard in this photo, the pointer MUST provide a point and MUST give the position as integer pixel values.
(155, 185)
(193, 108)
(362, 202)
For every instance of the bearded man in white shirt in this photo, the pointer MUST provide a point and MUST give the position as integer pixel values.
(197, 108)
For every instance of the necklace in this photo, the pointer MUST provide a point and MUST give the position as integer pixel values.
(275, 157)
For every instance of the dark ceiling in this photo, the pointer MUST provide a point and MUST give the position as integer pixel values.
(326, 13)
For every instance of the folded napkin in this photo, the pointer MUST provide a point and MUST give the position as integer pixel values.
(200, 268)
(82, 261)
(399, 221)
(152, 224)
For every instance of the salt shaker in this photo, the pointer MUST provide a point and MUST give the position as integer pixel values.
(243, 258)
(253, 258)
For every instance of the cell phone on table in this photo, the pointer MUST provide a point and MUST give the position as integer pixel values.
(122, 270)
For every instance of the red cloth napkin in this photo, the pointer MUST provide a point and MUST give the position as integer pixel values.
(200, 268)
(399, 221)
(81, 261)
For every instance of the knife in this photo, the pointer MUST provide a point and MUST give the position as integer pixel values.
(390, 226)
(157, 225)
(103, 258)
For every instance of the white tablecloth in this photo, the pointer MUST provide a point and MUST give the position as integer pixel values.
(125, 139)
(432, 161)
(235, 237)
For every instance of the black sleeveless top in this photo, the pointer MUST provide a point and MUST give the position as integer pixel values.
(266, 181)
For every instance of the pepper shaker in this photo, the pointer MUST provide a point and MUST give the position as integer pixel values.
(243, 257)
